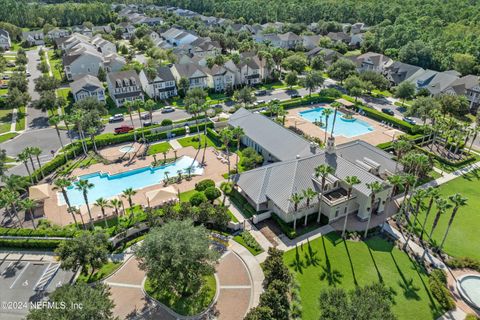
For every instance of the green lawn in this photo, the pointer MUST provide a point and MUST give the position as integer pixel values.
(232, 216)
(20, 124)
(193, 142)
(462, 240)
(99, 274)
(55, 65)
(159, 148)
(185, 196)
(329, 261)
(3, 92)
(5, 120)
(7, 136)
(189, 305)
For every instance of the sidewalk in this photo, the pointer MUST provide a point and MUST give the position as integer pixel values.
(44, 256)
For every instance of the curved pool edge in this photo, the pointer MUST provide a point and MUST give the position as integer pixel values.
(464, 294)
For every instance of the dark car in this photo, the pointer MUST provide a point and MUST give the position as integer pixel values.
(168, 109)
(149, 123)
(116, 118)
(261, 92)
(295, 95)
(409, 120)
(388, 111)
(123, 129)
(145, 116)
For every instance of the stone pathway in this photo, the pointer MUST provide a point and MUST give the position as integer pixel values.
(175, 144)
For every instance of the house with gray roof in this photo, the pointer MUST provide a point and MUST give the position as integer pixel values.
(159, 86)
(270, 187)
(398, 72)
(372, 61)
(194, 73)
(433, 81)
(33, 38)
(124, 86)
(57, 33)
(287, 40)
(87, 87)
(5, 41)
(177, 37)
(468, 86)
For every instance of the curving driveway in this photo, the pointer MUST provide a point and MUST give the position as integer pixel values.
(234, 298)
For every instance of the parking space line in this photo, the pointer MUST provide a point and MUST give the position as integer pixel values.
(6, 269)
(20, 274)
(40, 278)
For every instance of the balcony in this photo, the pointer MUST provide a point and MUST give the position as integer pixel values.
(335, 197)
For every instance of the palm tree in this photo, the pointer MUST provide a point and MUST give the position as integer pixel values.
(55, 121)
(62, 184)
(295, 199)
(164, 156)
(92, 132)
(323, 171)
(333, 124)
(23, 157)
(226, 135)
(238, 133)
(128, 194)
(272, 107)
(102, 204)
(28, 151)
(116, 204)
(149, 105)
(15, 182)
(36, 151)
(409, 180)
(433, 193)
(308, 195)
(282, 113)
(29, 205)
(10, 198)
(350, 181)
(458, 201)
(205, 107)
(326, 113)
(189, 171)
(67, 119)
(227, 188)
(374, 187)
(194, 109)
(139, 104)
(84, 186)
(74, 211)
(400, 147)
(442, 206)
(77, 118)
(129, 105)
(419, 195)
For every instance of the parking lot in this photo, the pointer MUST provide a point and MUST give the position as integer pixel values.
(25, 282)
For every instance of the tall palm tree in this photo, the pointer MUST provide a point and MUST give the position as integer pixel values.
(238, 133)
(350, 181)
(149, 105)
(308, 195)
(296, 198)
(442, 206)
(128, 194)
(23, 157)
(74, 211)
(227, 188)
(55, 121)
(29, 205)
(62, 184)
(102, 204)
(401, 147)
(458, 202)
(116, 204)
(322, 171)
(15, 182)
(84, 186)
(375, 187)
(226, 135)
(433, 194)
(92, 132)
(326, 113)
(10, 198)
(205, 107)
(194, 109)
(77, 118)
(36, 151)
(418, 196)
(409, 181)
(28, 150)
(334, 120)
(129, 105)
(139, 104)
(67, 118)
(281, 112)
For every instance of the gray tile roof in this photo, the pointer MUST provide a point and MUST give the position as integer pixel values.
(400, 71)
(282, 143)
(87, 82)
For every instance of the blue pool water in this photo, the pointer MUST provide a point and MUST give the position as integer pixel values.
(343, 127)
(107, 186)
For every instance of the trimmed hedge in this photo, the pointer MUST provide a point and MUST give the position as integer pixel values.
(29, 243)
(467, 160)
(437, 285)
(388, 146)
(464, 263)
(214, 136)
(19, 232)
(289, 232)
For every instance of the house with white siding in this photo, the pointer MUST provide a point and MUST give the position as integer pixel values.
(161, 85)
(124, 86)
(5, 42)
(87, 87)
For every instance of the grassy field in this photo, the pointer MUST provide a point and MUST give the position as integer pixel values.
(159, 148)
(99, 274)
(185, 196)
(55, 64)
(5, 120)
(462, 239)
(192, 142)
(7, 136)
(20, 124)
(330, 262)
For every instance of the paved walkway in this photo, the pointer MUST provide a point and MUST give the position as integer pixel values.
(46, 256)
(175, 144)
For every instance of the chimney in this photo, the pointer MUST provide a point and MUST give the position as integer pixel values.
(330, 149)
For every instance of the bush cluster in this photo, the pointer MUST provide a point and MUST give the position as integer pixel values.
(437, 282)
(250, 241)
(204, 184)
(29, 243)
(464, 263)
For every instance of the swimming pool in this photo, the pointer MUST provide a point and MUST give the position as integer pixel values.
(107, 186)
(343, 127)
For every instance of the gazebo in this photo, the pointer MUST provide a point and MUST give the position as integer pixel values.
(157, 197)
(345, 103)
(39, 194)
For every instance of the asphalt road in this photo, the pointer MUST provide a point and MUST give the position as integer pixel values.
(35, 118)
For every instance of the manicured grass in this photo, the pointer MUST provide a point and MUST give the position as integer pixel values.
(462, 239)
(55, 65)
(159, 148)
(7, 136)
(255, 251)
(3, 92)
(232, 216)
(186, 305)
(99, 274)
(353, 53)
(330, 262)
(5, 120)
(384, 93)
(185, 196)
(193, 142)
(20, 124)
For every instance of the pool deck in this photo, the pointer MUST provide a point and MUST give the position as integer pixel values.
(380, 134)
(453, 276)
(58, 214)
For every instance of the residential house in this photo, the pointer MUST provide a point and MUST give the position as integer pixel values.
(128, 30)
(102, 29)
(82, 30)
(87, 86)
(103, 46)
(221, 78)
(124, 86)
(468, 86)
(195, 74)
(152, 21)
(251, 69)
(329, 55)
(177, 37)
(287, 40)
(161, 86)
(72, 41)
(337, 37)
(433, 81)
(372, 61)
(33, 38)
(270, 187)
(310, 42)
(5, 42)
(202, 47)
(57, 33)
(398, 72)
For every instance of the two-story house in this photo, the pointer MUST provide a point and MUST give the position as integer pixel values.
(398, 72)
(220, 78)
(372, 61)
(128, 30)
(87, 87)
(177, 37)
(5, 42)
(251, 69)
(124, 86)
(468, 86)
(57, 33)
(287, 40)
(33, 38)
(194, 73)
(83, 30)
(103, 46)
(159, 86)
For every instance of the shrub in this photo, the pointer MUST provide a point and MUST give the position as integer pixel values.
(464, 262)
(250, 241)
(212, 193)
(204, 184)
(197, 199)
(50, 232)
(166, 122)
(250, 158)
(441, 293)
(471, 317)
(289, 232)
(439, 275)
(330, 92)
(29, 243)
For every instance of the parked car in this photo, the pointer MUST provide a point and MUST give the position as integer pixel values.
(149, 123)
(261, 92)
(388, 111)
(295, 95)
(5, 77)
(409, 120)
(145, 116)
(168, 109)
(116, 118)
(218, 106)
(3, 86)
(258, 102)
(28, 73)
(123, 129)
(10, 64)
